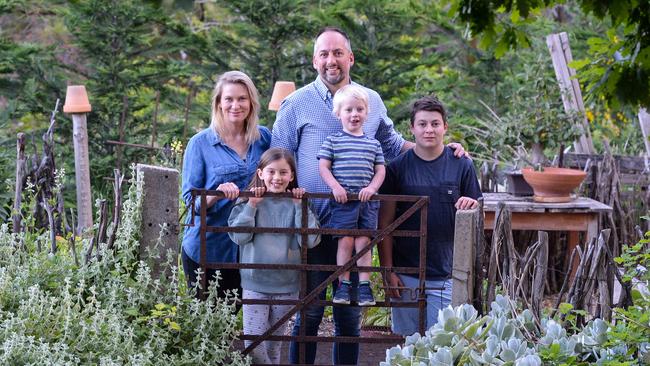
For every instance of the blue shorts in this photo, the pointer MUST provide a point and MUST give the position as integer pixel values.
(353, 215)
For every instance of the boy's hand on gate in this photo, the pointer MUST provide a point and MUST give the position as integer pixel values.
(340, 195)
(366, 193)
(392, 280)
(466, 203)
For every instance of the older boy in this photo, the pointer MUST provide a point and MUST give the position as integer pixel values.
(430, 169)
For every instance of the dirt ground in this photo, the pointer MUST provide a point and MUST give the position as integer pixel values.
(369, 353)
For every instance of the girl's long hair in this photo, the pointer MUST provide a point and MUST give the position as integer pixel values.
(269, 156)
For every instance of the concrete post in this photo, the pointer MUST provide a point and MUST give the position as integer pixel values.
(159, 208)
(464, 255)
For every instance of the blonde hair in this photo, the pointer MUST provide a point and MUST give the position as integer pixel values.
(348, 92)
(217, 122)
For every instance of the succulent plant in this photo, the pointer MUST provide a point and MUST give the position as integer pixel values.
(462, 337)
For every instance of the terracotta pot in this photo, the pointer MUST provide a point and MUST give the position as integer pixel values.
(553, 184)
(76, 100)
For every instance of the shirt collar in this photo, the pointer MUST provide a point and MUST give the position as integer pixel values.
(213, 137)
(322, 89)
(353, 136)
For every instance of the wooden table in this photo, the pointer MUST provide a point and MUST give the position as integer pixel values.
(579, 215)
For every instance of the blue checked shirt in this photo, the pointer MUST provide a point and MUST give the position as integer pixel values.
(208, 162)
(305, 119)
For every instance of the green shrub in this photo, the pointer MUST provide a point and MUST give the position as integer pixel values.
(632, 324)
(111, 311)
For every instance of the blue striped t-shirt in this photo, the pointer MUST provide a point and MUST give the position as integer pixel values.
(353, 159)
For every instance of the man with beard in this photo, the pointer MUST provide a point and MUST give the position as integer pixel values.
(302, 123)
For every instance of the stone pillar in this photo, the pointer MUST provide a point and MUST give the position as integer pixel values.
(464, 254)
(159, 207)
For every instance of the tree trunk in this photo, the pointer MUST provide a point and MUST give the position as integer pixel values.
(537, 157)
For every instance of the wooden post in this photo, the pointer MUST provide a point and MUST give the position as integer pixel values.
(155, 120)
(644, 120)
(558, 46)
(122, 126)
(76, 103)
(20, 177)
(188, 106)
(539, 273)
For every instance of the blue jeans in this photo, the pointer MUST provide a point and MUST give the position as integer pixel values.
(347, 319)
(405, 320)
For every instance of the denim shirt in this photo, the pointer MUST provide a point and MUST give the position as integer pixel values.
(305, 119)
(208, 162)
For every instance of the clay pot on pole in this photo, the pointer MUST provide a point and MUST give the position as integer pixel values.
(77, 105)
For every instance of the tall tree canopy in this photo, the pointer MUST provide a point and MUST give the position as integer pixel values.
(618, 66)
(150, 66)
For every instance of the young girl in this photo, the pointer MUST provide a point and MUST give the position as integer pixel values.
(275, 173)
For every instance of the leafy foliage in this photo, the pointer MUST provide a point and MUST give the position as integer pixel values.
(109, 312)
(266, 39)
(157, 61)
(618, 64)
(632, 325)
(127, 48)
(535, 119)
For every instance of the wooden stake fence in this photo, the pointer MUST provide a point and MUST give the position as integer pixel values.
(644, 121)
(21, 171)
(523, 277)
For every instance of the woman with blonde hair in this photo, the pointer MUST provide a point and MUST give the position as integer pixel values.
(222, 157)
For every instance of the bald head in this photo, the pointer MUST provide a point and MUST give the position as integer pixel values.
(348, 45)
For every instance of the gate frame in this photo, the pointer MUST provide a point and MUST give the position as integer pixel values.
(420, 203)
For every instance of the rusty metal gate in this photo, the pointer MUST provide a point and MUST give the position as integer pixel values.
(420, 204)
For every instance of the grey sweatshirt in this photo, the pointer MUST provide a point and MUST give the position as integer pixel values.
(268, 247)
